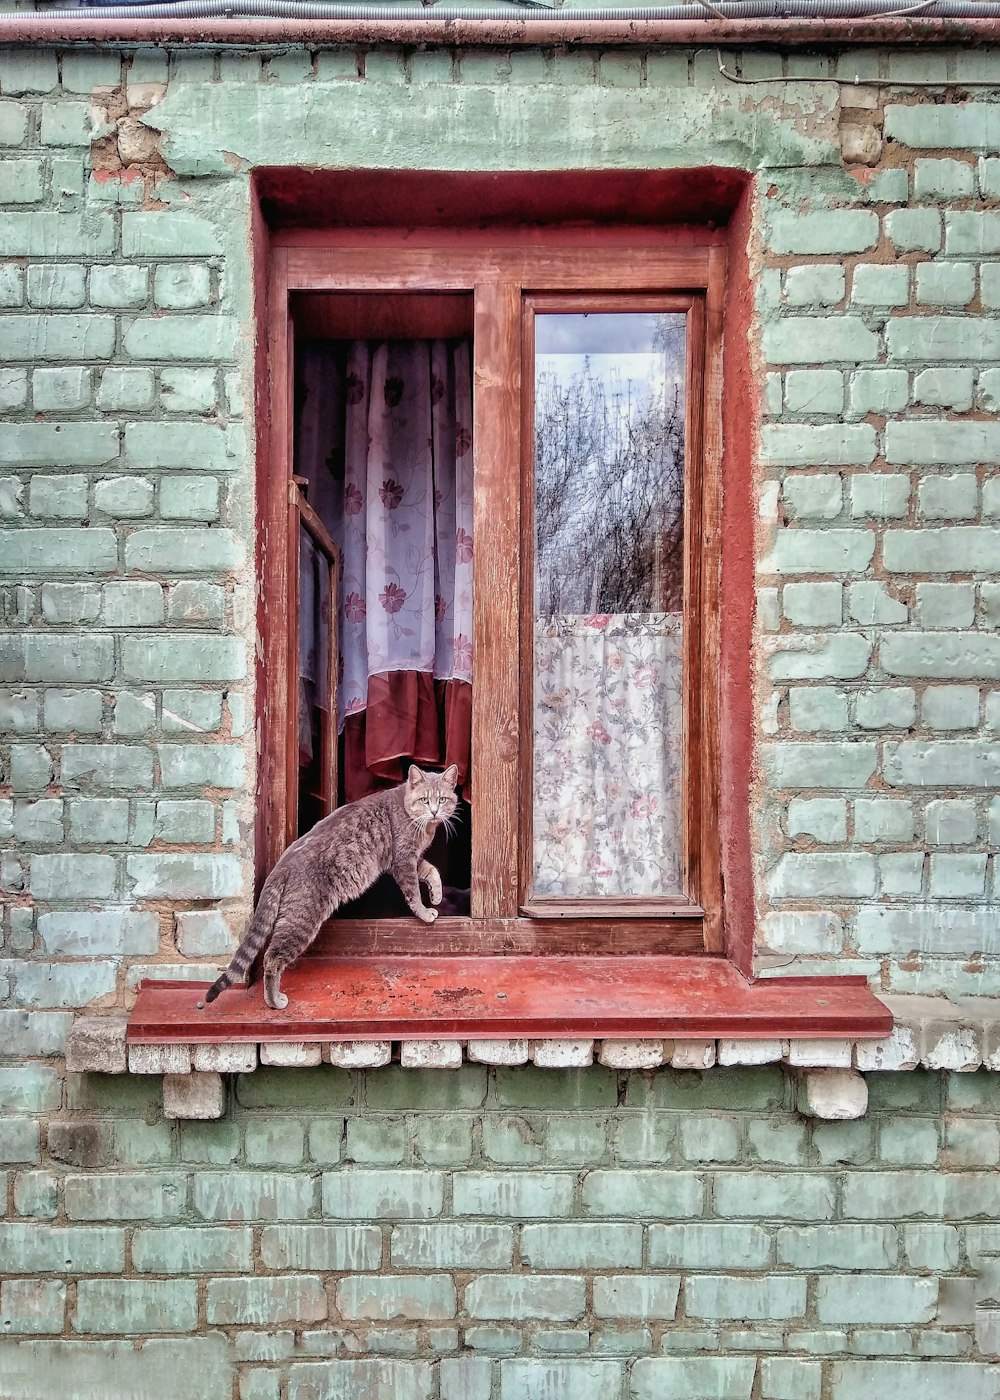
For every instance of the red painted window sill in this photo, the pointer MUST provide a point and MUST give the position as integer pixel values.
(401, 998)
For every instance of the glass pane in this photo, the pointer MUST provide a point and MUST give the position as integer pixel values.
(609, 592)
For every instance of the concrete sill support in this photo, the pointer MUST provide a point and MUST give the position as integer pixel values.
(930, 1032)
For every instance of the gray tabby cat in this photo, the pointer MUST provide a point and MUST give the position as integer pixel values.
(341, 857)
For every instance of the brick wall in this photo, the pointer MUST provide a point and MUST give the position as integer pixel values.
(511, 1233)
(320, 1241)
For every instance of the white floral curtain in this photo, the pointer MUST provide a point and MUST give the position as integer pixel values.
(404, 517)
(608, 755)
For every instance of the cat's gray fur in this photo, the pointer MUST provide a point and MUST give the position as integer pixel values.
(385, 833)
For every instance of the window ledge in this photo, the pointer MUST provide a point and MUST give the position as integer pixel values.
(929, 1032)
(551, 998)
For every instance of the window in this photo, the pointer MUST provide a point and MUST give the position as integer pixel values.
(587, 500)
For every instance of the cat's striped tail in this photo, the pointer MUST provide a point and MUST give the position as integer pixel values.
(261, 926)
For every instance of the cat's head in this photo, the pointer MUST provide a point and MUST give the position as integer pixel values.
(430, 797)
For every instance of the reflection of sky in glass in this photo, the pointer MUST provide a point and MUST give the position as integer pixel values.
(644, 348)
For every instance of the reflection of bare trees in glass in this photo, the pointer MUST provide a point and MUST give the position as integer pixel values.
(609, 483)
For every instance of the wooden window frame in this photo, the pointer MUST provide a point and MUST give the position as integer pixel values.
(508, 274)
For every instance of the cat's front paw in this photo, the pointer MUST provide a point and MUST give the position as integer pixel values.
(428, 915)
(277, 1002)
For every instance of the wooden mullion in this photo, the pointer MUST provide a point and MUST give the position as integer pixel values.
(273, 775)
(711, 892)
(496, 734)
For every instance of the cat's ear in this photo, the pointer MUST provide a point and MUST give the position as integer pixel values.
(415, 775)
(450, 775)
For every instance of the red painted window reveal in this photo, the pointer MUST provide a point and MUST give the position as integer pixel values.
(517, 966)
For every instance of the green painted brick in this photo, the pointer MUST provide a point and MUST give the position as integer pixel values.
(39, 823)
(191, 601)
(26, 1033)
(335, 1248)
(18, 711)
(946, 604)
(19, 1143)
(550, 1297)
(666, 1194)
(523, 1379)
(185, 445)
(181, 286)
(59, 497)
(189, 498)
(321, 1091)
(828, 339)
(859, 1299)
(947, 388)
(513, 1194)
(36, 1370)
(636, 1296)
(942, 443)
(137, 1196)
(253, 1301)
(790, 1378)
(124, 390)
(119, 286)
(183, 658)
(21, 181)
(135, 1307)
(52, 1249)
(133, 604)
(30, 552)
(709, 1140)
(36, 1193)
(737, 1089)
(216, 1143)
(828, 444)
(260, 1385)
(940, 339)
(444, 1141)
(429, 1297)
(188, 390)
(381, 1379)
(814, 284)
(253, 1196)
(849, 1247)
(72, 876)
(581, 1245)
(510, 1141)
(379, 1140)
(180, 551)
(874, 284)
(184, 876)
(195, 765)
(58, 444)
(529, 1087)
(774, 1195)
(97, 766)
(96, 932)
(946, 284)
(31, 1305)
(827, 231)
(717, 1297)
(166, 234)
(387, 1195)
(278, 1142)
(30, 768)
(54, 286)
(188, 710)
(55, 985)
(13, 123)
(40, 336)
(186, 821)
(70, 602)
(124, 497)
(397, 1088)
(693, 1378)
(210, 338)
(709, 1245)
(46, 234)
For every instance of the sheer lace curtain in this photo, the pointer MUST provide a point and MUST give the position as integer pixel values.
(386, 444)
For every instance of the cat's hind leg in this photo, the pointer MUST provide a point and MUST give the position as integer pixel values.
(273, 995)
(431, 878)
